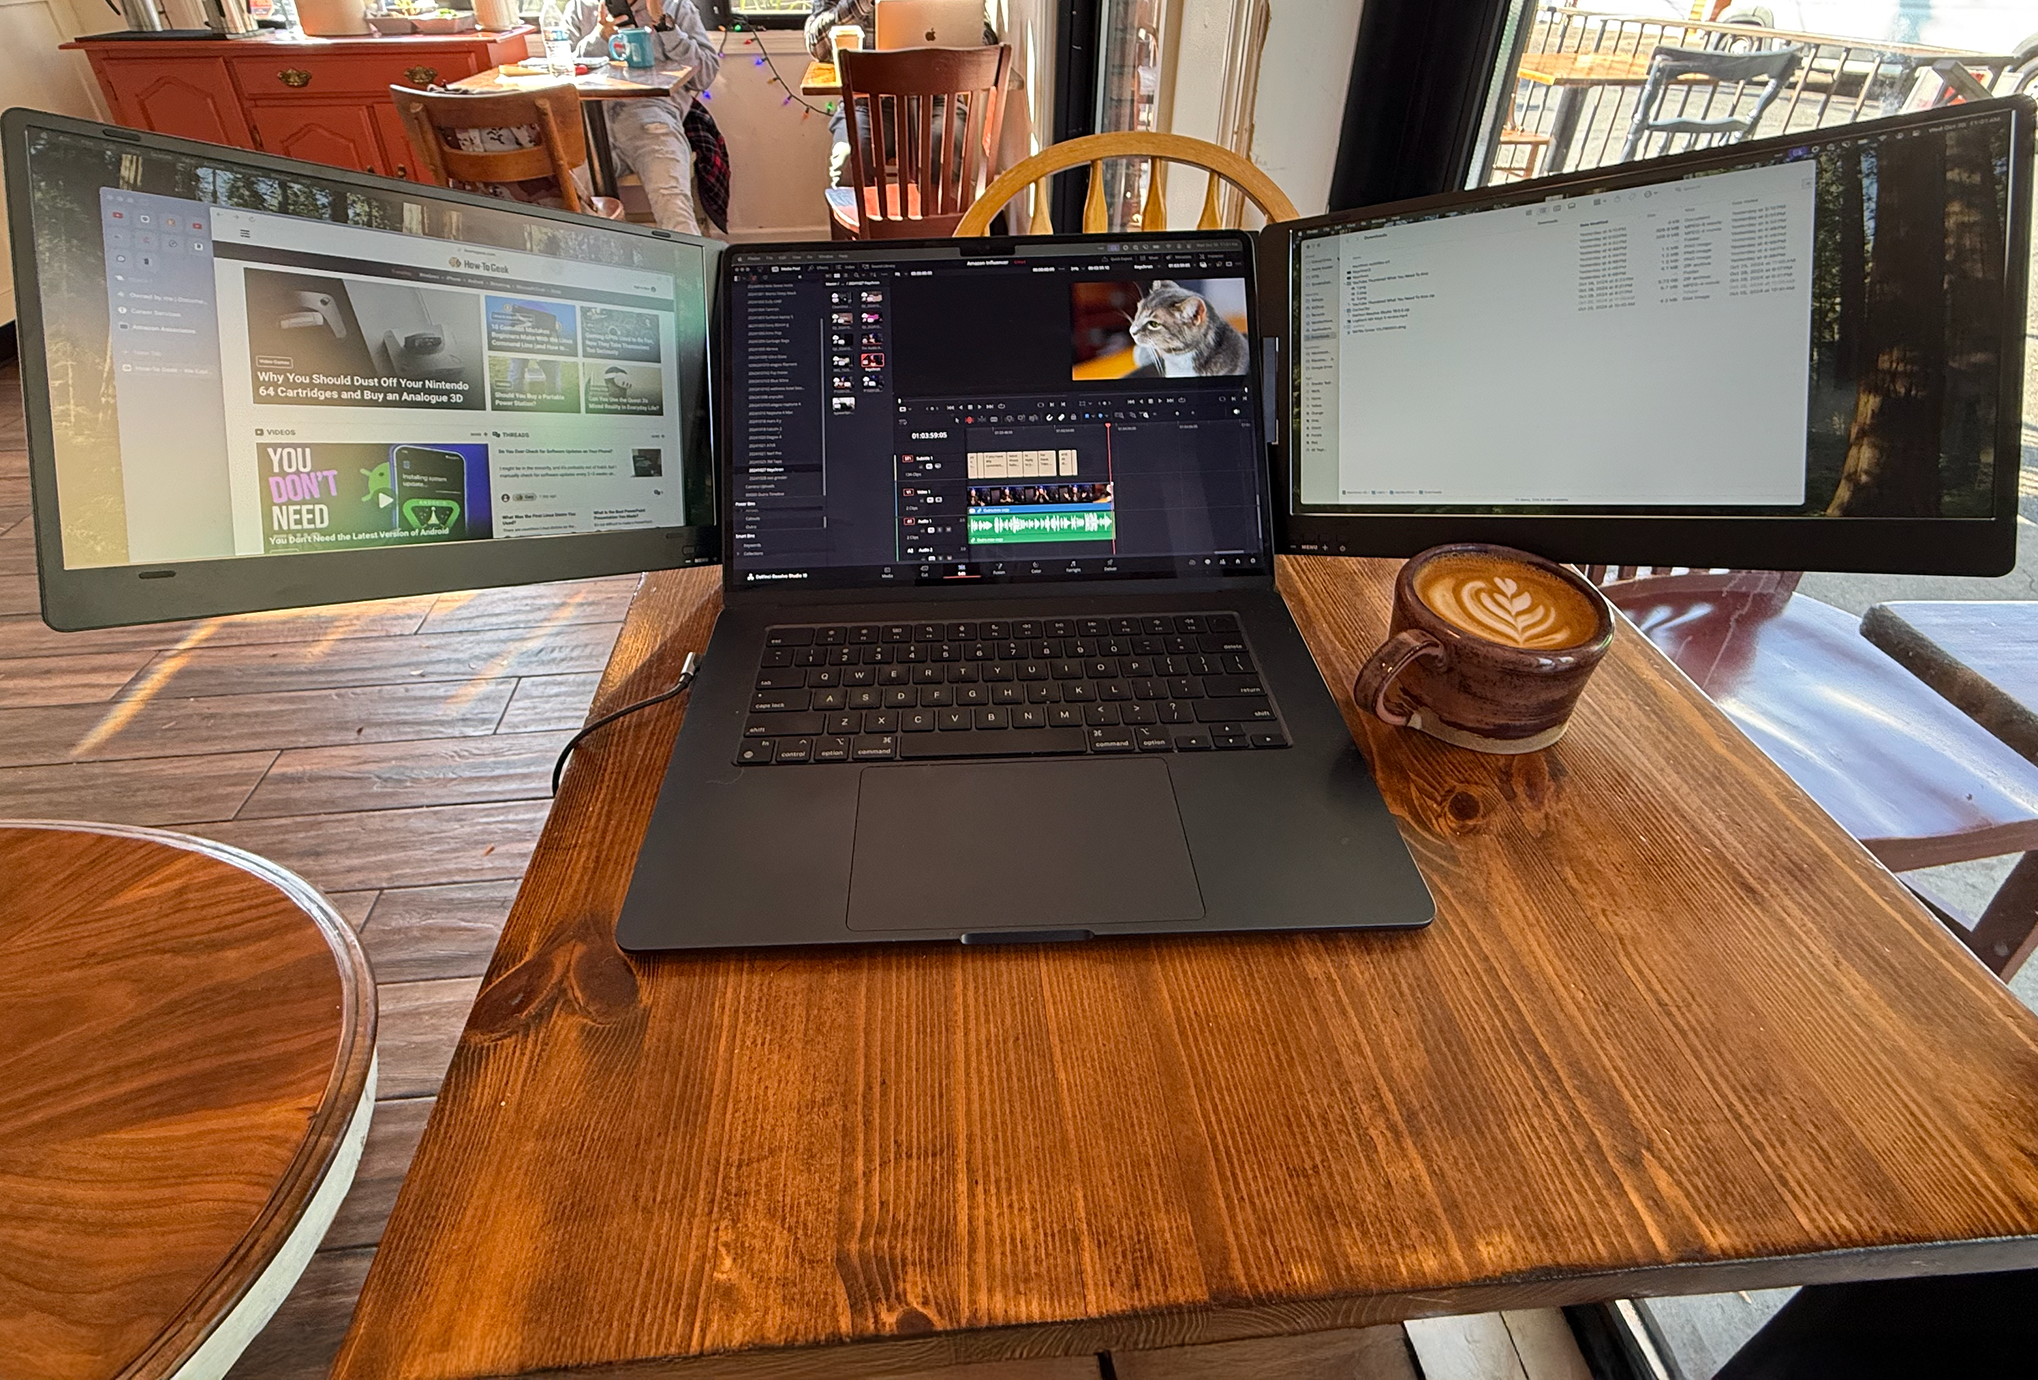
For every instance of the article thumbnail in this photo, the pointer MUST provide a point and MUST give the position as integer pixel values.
(333, 342)
(520, 325)
(625, 389)
(610, 333)
(345, 495)
(1159, 328)
(519, 383)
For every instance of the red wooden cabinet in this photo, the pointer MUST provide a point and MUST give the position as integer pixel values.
(322, 99)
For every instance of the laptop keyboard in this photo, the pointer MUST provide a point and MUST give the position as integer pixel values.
(1007, 687)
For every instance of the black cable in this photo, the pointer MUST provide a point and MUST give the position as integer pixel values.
(679, 687)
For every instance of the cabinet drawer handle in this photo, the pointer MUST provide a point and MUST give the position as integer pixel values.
(294, 76)
(421, 76)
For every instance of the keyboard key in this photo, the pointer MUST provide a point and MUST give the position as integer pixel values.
(1031, 670)
(860, 675)
(779, 702)
(1113, 690)
(1078, 691)
(1174, 712)
(794, 750)
(926, 632)
(1195, 740)
(774, 725)
(1220, 739)
(842, 656)
(843, 723)
(1043, 741)
(972, 694)
(1221, 623)
(824, 676)
(995, 670)
(864, 698)
(1111, 740)
(935, 696)
(788, 637)
(1224, 711)
(916, 721)
(1030, 716)
(898, 632)
(929, 674)
(997, 629)
(831, 750)
(830, 637)
(864, 632)
(1092, 627)
(1189, 623)
(880, 747)
(900, 697)
(881, 721)
(1184, 688)
(776, 658)
(1065, 716)
(1158, 626)
(1007, 694)
(962, 632)
(811, 656)
(951, 720)
(790, 678)
(1221, 642)
(994, 717)
(895, 675)
(1152, 740)
(830, 699)
(958, 675)
(754, 752)
(1026, 627)
(1224, 687)
(1268, 740)
(1060, 627)
(1136, 713)
(1095, 714)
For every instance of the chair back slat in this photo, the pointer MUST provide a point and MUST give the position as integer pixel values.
(1157, 148)
(1153, 215)
(1212, 215)
(924, 123)
(432, 119)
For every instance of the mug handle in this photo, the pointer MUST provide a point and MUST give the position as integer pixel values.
(1385, 666)
(619, 47)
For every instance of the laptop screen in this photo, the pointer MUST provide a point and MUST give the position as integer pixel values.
(994, 411)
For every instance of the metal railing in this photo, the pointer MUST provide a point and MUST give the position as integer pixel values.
(1567, 114)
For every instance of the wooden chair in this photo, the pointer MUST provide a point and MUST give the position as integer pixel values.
(1915, 780)
(1537, 145)
(546, 121)
(1222, 164)
(923, 128)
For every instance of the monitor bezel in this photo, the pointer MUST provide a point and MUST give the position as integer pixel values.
(722, 380)
(1905, 546)
(118, 596)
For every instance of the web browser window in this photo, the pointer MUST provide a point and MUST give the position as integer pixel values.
(269, 366)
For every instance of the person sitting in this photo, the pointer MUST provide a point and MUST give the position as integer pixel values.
(649, 134)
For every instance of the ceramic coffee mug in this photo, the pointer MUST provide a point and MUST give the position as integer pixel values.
(1488, 649)
(632, 47)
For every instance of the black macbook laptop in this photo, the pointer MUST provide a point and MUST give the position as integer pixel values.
(1002, 658)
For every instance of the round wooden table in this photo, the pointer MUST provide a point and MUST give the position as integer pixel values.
(189, 1038)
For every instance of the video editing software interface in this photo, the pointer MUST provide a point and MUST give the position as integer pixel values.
(964, 413)
(1704, 345)
(246, 364)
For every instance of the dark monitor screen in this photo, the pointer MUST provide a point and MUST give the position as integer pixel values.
(1802, 353)
(267, 383)
(938, 414)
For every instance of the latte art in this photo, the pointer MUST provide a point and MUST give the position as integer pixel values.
(1501, 601)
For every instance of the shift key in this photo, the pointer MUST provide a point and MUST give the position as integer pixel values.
(784, 725)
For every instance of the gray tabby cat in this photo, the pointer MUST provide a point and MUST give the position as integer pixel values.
(1175, 333)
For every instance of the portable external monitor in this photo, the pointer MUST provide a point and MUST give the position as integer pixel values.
(271, 384)
(1802, 353)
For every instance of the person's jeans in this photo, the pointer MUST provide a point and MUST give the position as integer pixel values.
(650, 137)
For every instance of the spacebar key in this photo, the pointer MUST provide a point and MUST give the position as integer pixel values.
(1010, 742)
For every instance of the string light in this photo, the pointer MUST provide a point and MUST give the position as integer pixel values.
(763, 59)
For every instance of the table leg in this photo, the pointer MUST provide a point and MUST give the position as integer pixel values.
(2008, 930)
(1564, 127)
(601, 159)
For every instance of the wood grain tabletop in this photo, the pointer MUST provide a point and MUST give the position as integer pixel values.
(187, 1033)
(1673, 1030)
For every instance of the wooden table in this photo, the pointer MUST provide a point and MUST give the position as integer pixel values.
(1982, 656)
(611, 83)
(189, 1035)
(820, 79)
(1672, 1031)
(1574, 74)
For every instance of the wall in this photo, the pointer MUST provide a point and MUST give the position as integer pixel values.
(33, 73)
(1300, 109)
(778, 160)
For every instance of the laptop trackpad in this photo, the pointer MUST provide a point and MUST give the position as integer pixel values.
(1058, 845)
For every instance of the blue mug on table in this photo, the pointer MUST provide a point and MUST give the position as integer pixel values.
(632, 47)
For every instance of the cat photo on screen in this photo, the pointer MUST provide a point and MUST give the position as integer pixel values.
(1159, 328)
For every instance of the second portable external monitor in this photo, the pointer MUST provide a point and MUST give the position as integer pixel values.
(1800, 353)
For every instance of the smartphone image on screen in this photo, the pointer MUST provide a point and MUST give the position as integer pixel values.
(431, 490)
